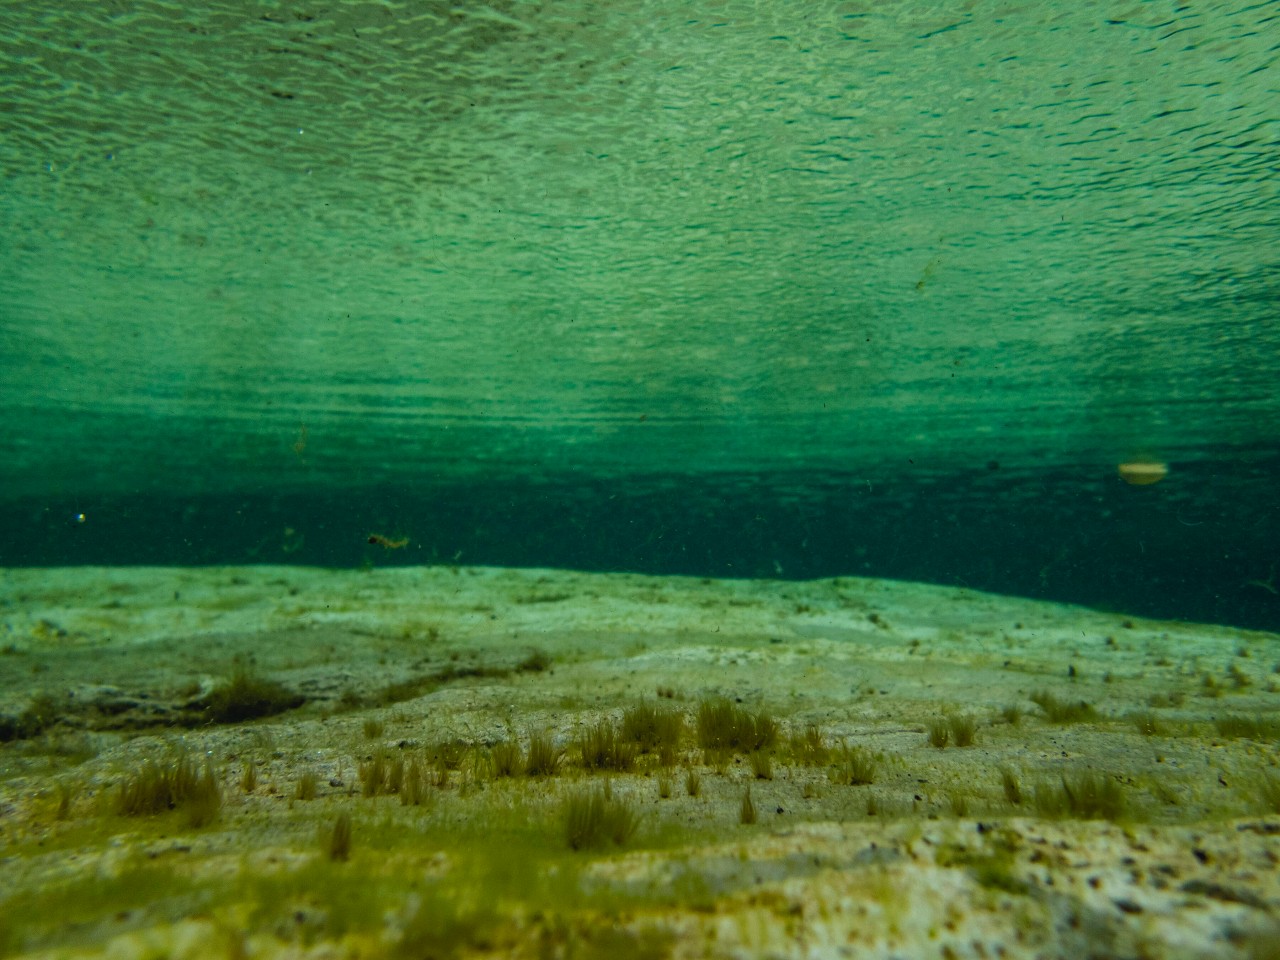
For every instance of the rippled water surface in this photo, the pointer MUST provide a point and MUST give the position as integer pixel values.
(632, 236)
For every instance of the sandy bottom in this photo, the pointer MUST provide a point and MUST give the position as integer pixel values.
(1119, 797)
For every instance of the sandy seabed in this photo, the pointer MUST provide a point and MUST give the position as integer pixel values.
(1119, 798)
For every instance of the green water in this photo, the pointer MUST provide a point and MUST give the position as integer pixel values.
(789, 232)
(308, 250)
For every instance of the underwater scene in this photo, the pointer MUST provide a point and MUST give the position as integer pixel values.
(637, 479)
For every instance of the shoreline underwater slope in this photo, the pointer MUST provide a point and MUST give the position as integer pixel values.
(455, 761)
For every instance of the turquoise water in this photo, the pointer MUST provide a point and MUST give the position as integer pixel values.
(297, 253)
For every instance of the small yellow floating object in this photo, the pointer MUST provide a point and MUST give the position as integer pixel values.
(1143, 473)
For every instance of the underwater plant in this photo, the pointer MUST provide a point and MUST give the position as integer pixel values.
(408, 689)
(160, 786)
(448, 753)
(66, 796)
(808, 747)
(963, 730)
(413, 789)
(652, 727)
(1012, 788)
(602, 749)
(1086, 795)
(543, 758)
(1248, 728)
(1239, 679)
(441, 768)
(1266, 790)
(761, 765)
(854, 766)
(594, 818)
(537, 661)
(747, 812)
(247, 696)
(718, 759)
(395, 774)
(939, 732)
(508, 761)
(339, 839)
(1062, 711)
(375, 773)
(1148, 724)
(667, 756)
(723, 725)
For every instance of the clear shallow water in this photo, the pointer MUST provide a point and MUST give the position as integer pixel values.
(281, 251)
